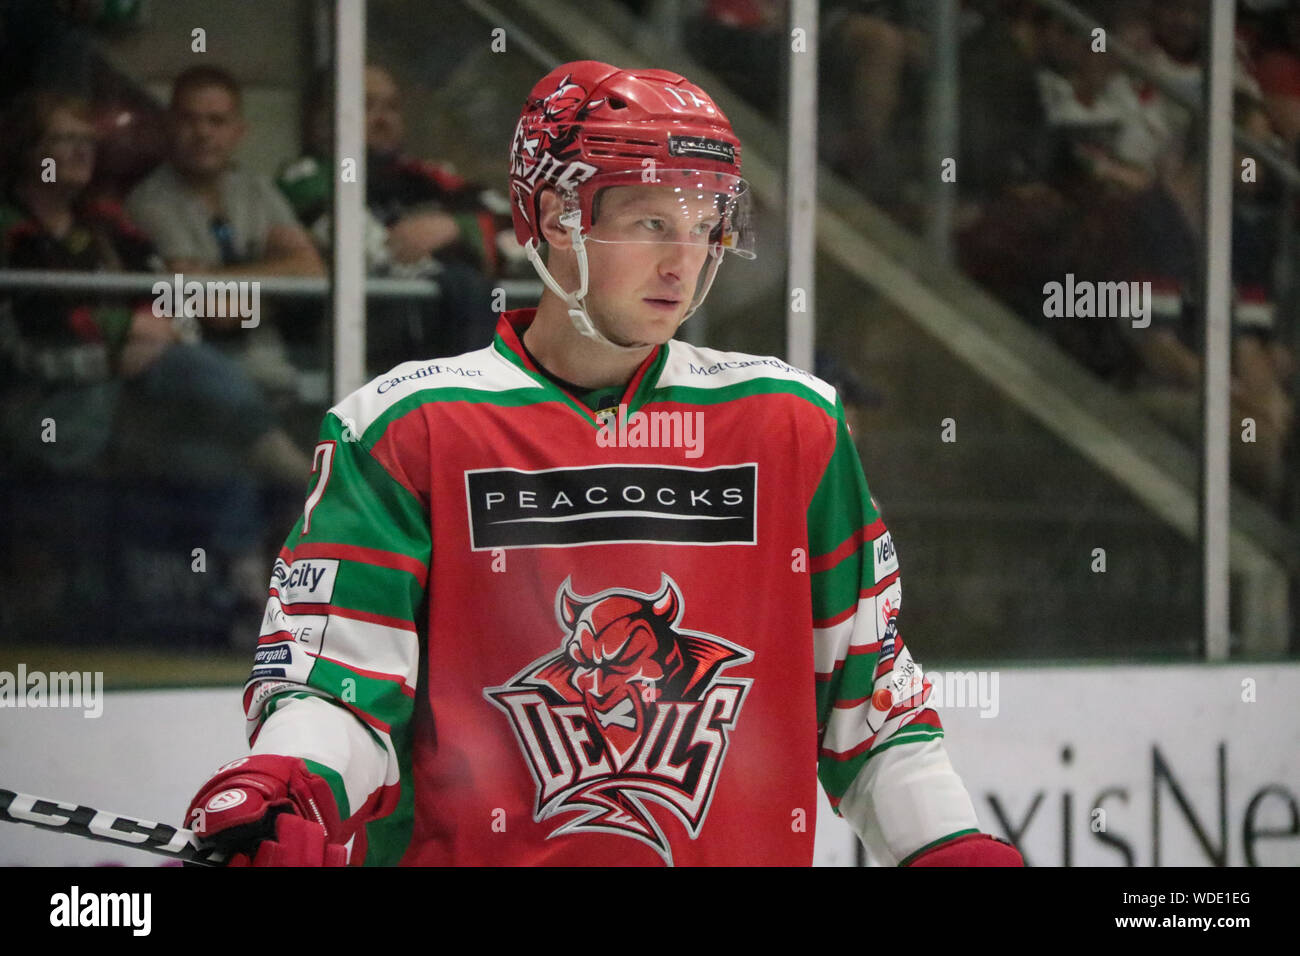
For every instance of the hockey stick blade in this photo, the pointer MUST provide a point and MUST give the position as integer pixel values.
(169, 841)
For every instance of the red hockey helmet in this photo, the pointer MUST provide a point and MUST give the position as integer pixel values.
(587, 126)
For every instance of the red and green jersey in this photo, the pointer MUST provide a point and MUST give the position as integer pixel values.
(509, 629)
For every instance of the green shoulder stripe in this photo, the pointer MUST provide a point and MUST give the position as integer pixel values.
(510, 398)
(700, 395)
(842, 504)
(361, 504)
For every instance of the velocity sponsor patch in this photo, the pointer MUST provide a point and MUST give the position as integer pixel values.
(884, 556)
(306, 581)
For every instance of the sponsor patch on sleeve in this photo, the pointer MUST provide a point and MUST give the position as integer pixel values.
(283, 630)
(888, 603)
(907, 683)
(268, 654)
(306, 581)
(257, 694)
(884, 555)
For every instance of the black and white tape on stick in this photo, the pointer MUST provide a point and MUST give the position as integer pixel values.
(60, 817)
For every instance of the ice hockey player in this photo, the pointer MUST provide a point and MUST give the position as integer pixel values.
(592, 595)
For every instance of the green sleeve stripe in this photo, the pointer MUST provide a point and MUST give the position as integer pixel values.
(909, 735)
(824, 689)
(363, 505)
(335, 781)
(856, 680)
(377, 590)
(840, 508)
(841, 505)
(836, 775)
(383, 700)
(370, 588)
(379, 533)
(388, 838)
(838, 589)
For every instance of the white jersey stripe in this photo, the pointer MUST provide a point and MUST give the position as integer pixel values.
(485, 370)
(372, 647)
(696, 367)
(831, 644)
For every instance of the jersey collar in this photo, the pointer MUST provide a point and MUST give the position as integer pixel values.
(510, 329)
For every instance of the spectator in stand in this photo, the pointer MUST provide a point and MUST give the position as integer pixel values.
(1004, 138)
(128, 398)
(1277, 68)
(744, 41)
(75, 350)
(423, 221)
(53, 46)
(1159, 241)
(1096, 113)
(208, 216)
(866, 47)
(1176, 49)
(1027, 218)
(1120, 201)
(873, 84)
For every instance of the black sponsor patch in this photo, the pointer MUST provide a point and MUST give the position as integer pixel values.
(613, 503)
(274, 654)
(703, 147)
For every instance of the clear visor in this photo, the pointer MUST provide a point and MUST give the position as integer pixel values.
(688, 207)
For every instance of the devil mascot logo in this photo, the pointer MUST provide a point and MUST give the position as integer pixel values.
(630, 706)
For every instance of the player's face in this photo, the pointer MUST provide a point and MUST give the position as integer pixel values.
(207, 129)
(647, 250)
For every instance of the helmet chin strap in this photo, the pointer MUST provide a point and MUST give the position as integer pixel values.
(575, 300)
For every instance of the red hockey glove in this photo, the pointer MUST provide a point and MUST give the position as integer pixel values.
(297, 842)
(255, 798)
(974, 849)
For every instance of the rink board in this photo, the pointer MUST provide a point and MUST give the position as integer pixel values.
(1187, 764)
